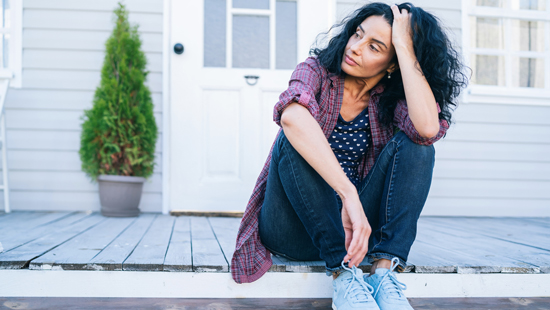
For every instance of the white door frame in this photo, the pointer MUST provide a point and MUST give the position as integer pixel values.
(166, 49)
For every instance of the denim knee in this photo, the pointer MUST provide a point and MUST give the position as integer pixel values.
(422, 153)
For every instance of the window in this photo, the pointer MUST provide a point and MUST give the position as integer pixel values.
(250, 34)
(507, 46)
(10, 41)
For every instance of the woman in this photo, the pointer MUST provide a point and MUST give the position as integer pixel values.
(350, 170)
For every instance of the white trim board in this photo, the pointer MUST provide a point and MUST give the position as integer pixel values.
(133, 284)
(166, 50)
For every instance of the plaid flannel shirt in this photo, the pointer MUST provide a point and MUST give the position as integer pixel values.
(312, 86)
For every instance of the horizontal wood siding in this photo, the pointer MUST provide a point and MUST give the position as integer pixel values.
(494, 160)
(63, 52)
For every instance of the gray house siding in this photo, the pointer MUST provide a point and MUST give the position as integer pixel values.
(63, 50)
(494, 160)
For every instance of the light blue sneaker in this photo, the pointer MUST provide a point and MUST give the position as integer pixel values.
(351, 291)
(387, 290)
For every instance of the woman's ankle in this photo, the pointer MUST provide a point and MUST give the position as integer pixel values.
(383, 263)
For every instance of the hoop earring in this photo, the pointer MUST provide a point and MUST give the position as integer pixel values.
(389, 75)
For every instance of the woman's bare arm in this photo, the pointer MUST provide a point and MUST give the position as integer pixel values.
(306, 136)
(420, 98)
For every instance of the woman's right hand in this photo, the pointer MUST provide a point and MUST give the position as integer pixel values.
(356, 227)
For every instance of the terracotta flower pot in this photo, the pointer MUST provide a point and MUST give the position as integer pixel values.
(120, 195)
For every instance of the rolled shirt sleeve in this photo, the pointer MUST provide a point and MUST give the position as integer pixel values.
(403, 121)
(302, 87)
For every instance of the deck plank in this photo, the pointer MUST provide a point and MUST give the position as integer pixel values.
(508, 229)
(225, 230)
(291, 265)
(8, 218)
(314, 266)
(524, 244)
(427, 258)
(178, 256)
(498, 253)
(77, 252)
(112, 257)
(207, 253)
(27, 220)
(431, 258)
(460, 252)
(149, 254)
(282, 264)
(278, 265)
(18, 237)
(545, 221)
(20, 256)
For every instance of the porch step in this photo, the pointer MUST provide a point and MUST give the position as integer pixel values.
(158, 284)
(451, 257)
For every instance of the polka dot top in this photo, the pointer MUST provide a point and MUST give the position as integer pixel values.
(349, 142)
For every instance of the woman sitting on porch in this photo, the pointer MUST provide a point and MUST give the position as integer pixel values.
(355, 155)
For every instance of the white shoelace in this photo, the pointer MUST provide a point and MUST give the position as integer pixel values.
(357, 292)
(391, 286)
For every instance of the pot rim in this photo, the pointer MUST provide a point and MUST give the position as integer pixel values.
(120, 178)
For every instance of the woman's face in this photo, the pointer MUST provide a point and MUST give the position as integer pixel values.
(370, 50)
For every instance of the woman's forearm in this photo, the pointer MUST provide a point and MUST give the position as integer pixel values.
(306, 136)
(420, 98)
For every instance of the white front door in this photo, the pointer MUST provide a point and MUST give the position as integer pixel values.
(221, 123)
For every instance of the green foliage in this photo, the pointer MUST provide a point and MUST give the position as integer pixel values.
(119, 132)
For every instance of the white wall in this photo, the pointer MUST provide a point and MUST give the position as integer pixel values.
(495, 159)
(63, 50)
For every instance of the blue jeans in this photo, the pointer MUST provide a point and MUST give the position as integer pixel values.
(301, 215)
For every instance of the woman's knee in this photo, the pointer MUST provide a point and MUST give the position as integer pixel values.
(283, 147)
(406, 142)
(424, 153)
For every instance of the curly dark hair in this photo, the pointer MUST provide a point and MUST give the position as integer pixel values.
(440, 63)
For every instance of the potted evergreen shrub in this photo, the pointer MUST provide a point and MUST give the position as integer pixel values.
(119, 132)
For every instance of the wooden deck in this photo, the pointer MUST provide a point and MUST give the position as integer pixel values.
(155, 242)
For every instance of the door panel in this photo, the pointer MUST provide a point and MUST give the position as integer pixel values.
(221, 122)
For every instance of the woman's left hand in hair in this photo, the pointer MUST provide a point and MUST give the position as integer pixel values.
(401, 28)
